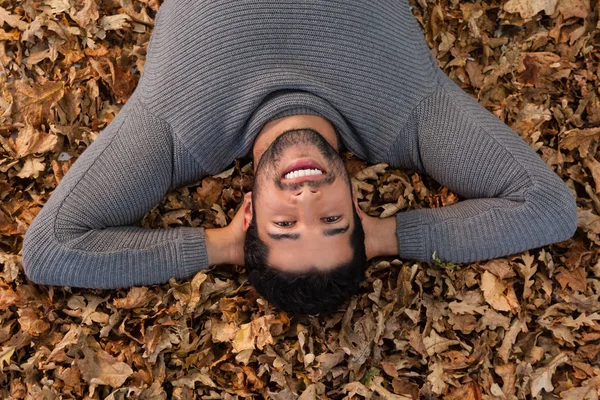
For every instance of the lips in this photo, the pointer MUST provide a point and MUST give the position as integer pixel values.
(305, 163)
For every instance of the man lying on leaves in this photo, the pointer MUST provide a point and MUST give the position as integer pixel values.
(293, 83)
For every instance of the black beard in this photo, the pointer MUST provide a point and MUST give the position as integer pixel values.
(271, 159)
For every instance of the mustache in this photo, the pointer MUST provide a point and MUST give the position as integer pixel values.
(313, 184)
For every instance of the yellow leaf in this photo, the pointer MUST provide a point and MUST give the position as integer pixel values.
(6, 354)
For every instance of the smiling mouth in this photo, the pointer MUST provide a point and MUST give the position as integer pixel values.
(303, 170)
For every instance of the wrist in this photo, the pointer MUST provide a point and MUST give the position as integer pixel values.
(217, 246)
(381, 238)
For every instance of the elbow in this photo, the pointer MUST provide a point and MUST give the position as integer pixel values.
(33, 264)
(557, 210)
(30, 262)
(566, 205)
(39, 251)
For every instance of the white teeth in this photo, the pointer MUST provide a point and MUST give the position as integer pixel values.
(302, 172)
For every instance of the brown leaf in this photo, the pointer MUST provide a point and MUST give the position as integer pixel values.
(579, 139)
(31, 141)
(191, 379)
(100, 368)
(594, 167)
(31, 323)
(136, 297)
(436, 344)
(436, 378)
(509, 339)
(210, 191)
(70, 338)
(541, 378)
(115, 22)
(574, 8)
(575, 279)
(158, 339)
(494, 292)
(529, 8)
(12, 20)
(32, 167)
(469, 391)
(376, 384)
(499, 267)
(34, 102)
(85, 13)
(587, 391)
(507, 373)
(141, 16)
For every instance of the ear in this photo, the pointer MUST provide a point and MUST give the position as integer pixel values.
(247, 210)
(359, 211)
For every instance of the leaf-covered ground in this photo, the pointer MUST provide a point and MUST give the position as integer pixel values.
(521, 327)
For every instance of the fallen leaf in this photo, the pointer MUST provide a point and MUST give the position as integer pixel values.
(136, 297)
(574, 8)
(115, 22)
(100, 368)
(541, 378)
(12, 20)
(494, 292)
(376, 384)
(31, 141)
(436, 344)
(32, 167)
(579, 139)
(529, 8)
(35, 102)
(436, 378)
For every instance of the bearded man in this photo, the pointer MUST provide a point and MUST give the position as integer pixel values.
(292, 83)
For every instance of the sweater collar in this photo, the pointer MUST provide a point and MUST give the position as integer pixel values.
(285, 103)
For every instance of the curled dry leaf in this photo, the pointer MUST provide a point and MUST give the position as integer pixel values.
(529, 8)
(31, 140)
(100, 368)
(495, 293)
(136, 297)
(541, 378)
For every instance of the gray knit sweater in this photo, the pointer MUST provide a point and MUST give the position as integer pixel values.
(218, 70)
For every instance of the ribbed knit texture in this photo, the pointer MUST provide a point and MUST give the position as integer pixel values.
(217, 71)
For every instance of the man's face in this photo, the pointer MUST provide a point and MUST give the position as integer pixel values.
(302, 203)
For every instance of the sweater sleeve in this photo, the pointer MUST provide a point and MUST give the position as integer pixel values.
(84, 235)
(512, 200)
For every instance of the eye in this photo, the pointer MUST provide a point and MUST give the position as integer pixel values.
(285, 224)
(331, 220)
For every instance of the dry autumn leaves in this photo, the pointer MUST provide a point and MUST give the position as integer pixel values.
(521, 327)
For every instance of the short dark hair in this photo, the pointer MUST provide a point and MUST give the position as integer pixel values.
(310, 292)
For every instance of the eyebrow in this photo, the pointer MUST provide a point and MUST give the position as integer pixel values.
(296, 236)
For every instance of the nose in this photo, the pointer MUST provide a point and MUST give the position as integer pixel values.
(305, 192)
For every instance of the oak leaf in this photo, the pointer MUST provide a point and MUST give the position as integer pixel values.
(32, 141)
(100, 368)
(529, 8)
(494, 292)
(136, 297)
(32, 167)
(541, 378)
(35, 102)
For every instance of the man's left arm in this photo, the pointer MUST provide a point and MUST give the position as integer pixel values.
(513, 200)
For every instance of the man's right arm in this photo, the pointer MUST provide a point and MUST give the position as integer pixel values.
(85, 235)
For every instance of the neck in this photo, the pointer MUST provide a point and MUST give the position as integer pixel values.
(273, 129)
